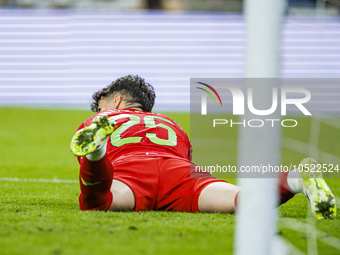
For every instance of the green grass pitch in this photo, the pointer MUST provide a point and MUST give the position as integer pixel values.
(43, 217)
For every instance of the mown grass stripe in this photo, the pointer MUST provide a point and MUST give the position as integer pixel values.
(293, 250)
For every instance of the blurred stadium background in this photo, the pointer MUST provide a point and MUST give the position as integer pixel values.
(57, 53)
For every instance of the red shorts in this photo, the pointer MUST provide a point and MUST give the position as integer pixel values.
(160, 183)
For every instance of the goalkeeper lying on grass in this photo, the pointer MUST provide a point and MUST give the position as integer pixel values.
(133, 159)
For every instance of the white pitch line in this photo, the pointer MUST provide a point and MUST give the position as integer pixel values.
(301, 227)
(40, 180)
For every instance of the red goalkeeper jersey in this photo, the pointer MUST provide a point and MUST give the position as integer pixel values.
(144, 133)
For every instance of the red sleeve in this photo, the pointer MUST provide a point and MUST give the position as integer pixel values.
(81, 126)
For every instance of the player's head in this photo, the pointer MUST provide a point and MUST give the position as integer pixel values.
(132, 90)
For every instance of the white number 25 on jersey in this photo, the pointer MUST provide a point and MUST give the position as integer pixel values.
(150, 122)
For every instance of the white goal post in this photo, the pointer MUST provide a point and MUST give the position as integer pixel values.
(256, 217)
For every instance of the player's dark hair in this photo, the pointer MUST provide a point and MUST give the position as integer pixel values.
(133, 90)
